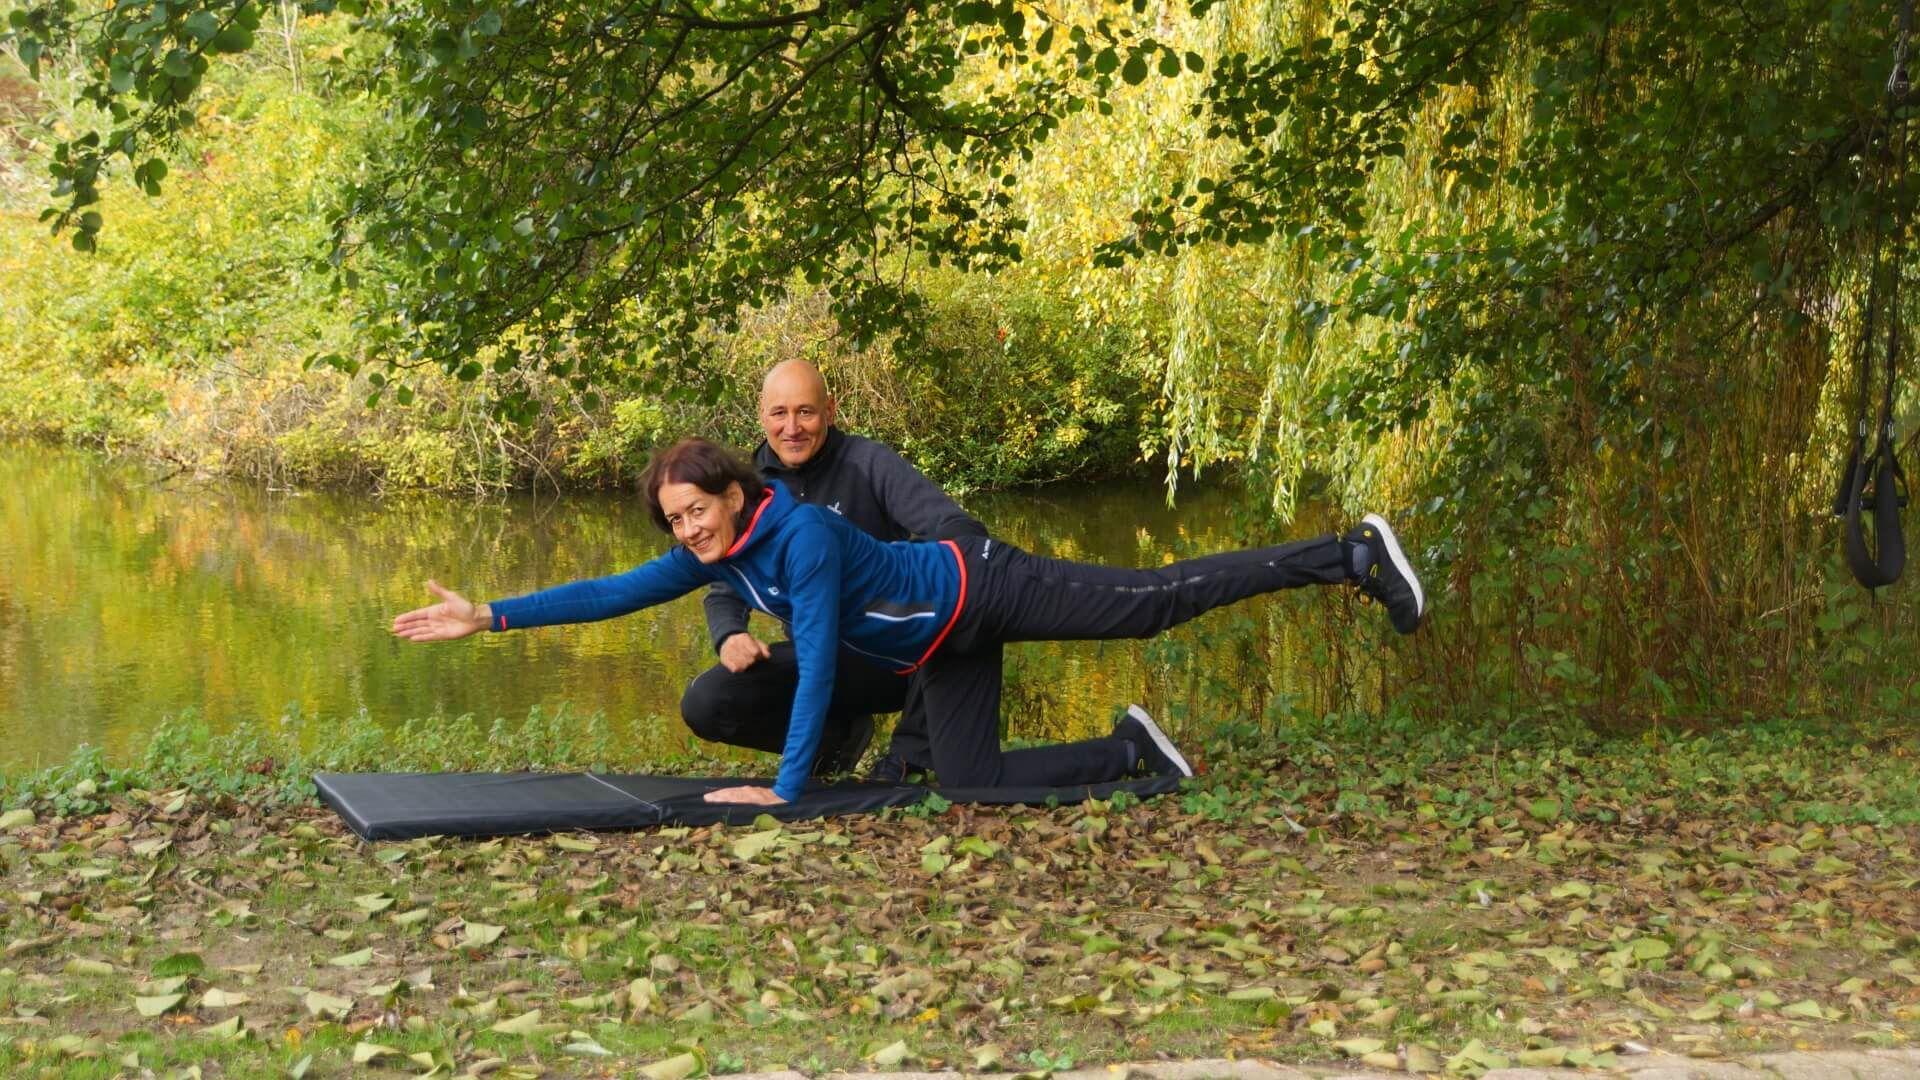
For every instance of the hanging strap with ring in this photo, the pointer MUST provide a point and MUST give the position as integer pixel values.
(1874, 482)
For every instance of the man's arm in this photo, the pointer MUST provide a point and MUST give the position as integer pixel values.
(916, 503)
(726, 614)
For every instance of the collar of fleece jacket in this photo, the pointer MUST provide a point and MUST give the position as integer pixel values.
(776, 502)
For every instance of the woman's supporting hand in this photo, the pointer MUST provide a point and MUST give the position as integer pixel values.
(752, 795)
(453, 617)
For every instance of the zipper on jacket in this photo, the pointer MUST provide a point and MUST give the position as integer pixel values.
(761, 604)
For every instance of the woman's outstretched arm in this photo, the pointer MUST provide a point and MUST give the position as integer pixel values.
(656, 581)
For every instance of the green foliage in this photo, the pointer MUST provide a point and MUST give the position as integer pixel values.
(83, 784)
(182, 336)
(155, 54)
(1544, 282)
(179, 964)
(184, 330)
(1007, 390)
(1576, 290)
(931, 806)
(574, 190)
(273, 762)
(1011, 390)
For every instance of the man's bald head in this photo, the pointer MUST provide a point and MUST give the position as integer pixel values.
(795, 411)
(795, 377)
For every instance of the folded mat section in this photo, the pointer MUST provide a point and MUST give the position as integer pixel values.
(401, 806)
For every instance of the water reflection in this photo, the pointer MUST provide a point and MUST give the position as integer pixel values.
(125, 598)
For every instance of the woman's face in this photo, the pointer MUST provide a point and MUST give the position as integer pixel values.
(700, 519)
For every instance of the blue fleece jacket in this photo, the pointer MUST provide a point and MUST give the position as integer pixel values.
(828, 581)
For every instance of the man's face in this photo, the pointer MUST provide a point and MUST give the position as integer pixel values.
(795, 412)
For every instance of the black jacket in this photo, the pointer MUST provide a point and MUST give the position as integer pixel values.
(868, 484)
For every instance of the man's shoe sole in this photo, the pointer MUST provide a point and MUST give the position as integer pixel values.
(1400, 563)
(1160, 740)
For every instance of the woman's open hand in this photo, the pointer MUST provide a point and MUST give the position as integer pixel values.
(751, 795)
(453, 617)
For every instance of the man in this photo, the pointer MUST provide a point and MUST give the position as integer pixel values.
(746, 699)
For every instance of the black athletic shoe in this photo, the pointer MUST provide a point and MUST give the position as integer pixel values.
(1390, 578)
(1157, 753)
(890, 769)
(835, 760)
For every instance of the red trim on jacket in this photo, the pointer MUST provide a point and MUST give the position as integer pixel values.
(959, 605)
(766, 500)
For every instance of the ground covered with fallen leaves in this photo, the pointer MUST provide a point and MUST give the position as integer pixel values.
(1414, 900)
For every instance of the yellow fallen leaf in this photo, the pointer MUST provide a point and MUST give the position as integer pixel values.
(366, 1052)
(157, 1004)
(524, 1024)
(677, 1067)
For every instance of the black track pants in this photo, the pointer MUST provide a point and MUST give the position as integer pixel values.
(909, 742)
(1014, 596)
(752, 708)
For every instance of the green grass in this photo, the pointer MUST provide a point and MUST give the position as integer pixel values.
(1329, 886)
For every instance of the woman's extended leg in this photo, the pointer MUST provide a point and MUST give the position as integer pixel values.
(1011, 595)
(1017, 596)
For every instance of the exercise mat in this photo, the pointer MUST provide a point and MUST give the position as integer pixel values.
(401, 806)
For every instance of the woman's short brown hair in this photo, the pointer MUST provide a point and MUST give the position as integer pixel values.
(706, 465)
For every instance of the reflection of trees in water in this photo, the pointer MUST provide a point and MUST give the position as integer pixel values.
(123, 600)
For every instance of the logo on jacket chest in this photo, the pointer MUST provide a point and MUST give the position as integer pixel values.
(773, 590)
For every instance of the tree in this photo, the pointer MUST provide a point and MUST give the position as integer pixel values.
(1587, 272)
(626, 178)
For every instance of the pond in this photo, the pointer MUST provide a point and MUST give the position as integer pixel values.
(126, 597)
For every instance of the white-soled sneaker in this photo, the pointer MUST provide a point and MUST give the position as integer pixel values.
(1390, 579)
(1157, 752)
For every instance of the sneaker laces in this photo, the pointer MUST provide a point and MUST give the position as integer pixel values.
(1369, 586)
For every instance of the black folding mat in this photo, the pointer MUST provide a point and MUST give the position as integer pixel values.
(401, 806)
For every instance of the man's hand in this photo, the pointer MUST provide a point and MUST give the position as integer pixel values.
(453, 617)
(751, 795)
(742, 651)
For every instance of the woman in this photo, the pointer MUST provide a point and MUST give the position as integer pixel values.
(944, 608)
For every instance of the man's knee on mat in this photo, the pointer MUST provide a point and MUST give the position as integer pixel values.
(707, 706)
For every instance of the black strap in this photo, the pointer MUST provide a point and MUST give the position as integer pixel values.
(1874, 482)
(1888, 490)
(1848, 493)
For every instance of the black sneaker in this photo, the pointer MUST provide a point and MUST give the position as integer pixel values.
(1390, 578)
(890, 769)
(842, 757)
(1157, 753)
